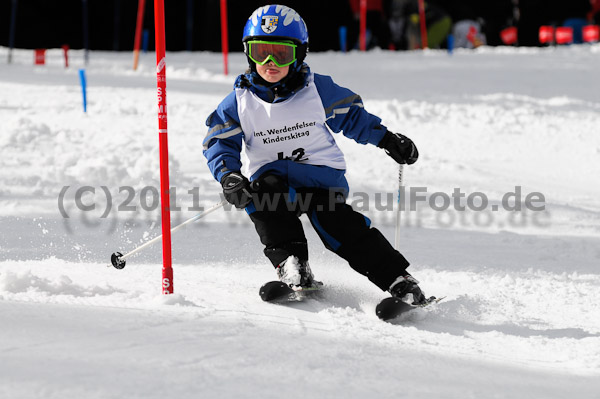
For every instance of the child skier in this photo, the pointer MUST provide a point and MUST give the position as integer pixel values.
(284, 113)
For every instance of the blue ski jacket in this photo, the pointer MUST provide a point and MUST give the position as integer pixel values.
(344, 112)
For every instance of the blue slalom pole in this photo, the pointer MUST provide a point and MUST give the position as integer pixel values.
(450, 40)
(343, 38)
(13, 24)
(83, 88)
(145, 40)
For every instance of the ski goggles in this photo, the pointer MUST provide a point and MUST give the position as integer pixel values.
(282, 54)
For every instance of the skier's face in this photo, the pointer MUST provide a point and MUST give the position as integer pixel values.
(271, 72)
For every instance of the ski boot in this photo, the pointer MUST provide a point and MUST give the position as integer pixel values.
(296, 273)
(406, 288)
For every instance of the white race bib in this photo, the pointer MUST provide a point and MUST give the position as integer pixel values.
(293, 129)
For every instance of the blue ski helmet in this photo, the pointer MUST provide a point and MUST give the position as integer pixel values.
(276, 22)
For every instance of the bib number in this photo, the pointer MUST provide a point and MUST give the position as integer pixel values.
(297, 155)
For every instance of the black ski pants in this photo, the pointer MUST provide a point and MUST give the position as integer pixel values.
(276, 212)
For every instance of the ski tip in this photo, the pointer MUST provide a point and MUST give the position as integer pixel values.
(429, 301)
(434, 300)
(391, 307)
(274, 290)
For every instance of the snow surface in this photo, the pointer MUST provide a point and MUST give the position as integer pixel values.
(521, 318)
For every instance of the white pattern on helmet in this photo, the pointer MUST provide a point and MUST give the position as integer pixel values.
(289, 14)
(256, 14)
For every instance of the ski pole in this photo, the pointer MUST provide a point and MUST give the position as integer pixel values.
(400, 186)
(118, 259)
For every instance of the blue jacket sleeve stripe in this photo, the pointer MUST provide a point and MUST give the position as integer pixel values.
(351, 100)
(222, 135)
(340, 111)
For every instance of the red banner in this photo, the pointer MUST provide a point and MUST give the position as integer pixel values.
(509, 35)
(546, 34)
(564, 35)
(591, 33)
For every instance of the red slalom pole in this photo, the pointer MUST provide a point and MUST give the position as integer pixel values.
(363, 25)
(161, 85)
(224, 37)
(138, 33)
(424, 43)
(65, 48)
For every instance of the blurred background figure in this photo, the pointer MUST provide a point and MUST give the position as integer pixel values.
(468, 23)
(468, 34)
(477, 23)
(405, 24)
(378, 31)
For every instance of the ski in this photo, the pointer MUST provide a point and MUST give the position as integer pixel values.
(278, 292)
(390, 308)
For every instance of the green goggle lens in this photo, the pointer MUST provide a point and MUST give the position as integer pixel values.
(282, 54)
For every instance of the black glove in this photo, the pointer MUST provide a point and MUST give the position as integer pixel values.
(236, 189)
(399, 147)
